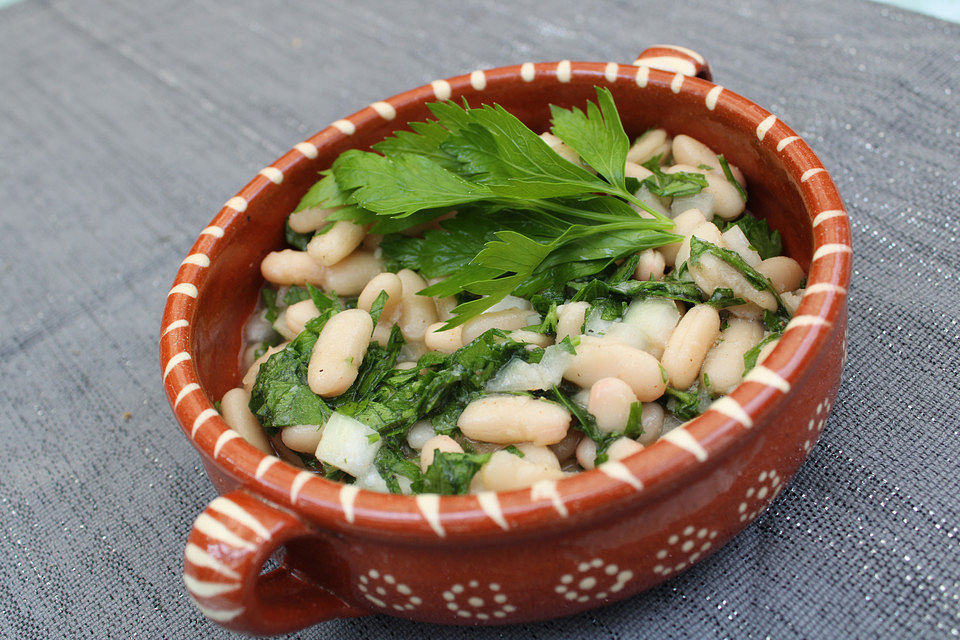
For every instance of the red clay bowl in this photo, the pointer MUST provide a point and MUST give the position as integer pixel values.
(559, 547)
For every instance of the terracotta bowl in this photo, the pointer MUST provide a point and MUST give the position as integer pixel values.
(561, 546)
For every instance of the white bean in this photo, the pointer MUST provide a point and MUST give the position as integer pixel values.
(250, 377)
(784, 273)
(792, 299)
(570, 318)
(444, 444)
(656, 318)
(683, 225)
(508, 419)
(298, 314)
(292, 267)
(735, 240)
(506, 320)
(235, 408)
(281, 327)
(308, 220)
(390, 284)
(652, 422)
(727, 201)
(338, 352)
(597, 359)
(444, 305)
(349, 276)
(634, 170)
(530, 337)
(710, 273)
(767, 350)
(622, 448)
(610, 402)
(304, 438)
(651, 265)
(687, 150)
(506, 471)
(564, 150)
(443, 341)
(417, 312)
(723, 365)
(587, 453)
(706, 231)
(688, 345)
(646, 146)
(338, 242)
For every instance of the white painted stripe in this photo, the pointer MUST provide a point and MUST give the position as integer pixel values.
(491, 506)
(680, 437)
(712, 96)
(441, 89)
(769, 377)
(266, 463)
(299, 480)
(610, 71)
(618, 471)
(563, 71)
(824, 287)
(643, 76)
(527, 71)
(348, 496)
(176, 359)
(238, 203)
(213, 230)
(217, 615)
(231, 509)
(186, 289)
(765, 126)
(384, 109)
(823, 216)
(830, 249)
(213, 528)
(223, 439)
(547, 490)
(205, 415)
(677, 83)
(478, 80)
(806, 321)
(429, 505)
(176, 324)
(809, 173)
(732, 409)
(204, 589)
(197, 556)
(668, 63)
(345, 127)
(199, 259)
(187, 390)
(307, 148)
(690, 52)
(272, 174)
(783, 143)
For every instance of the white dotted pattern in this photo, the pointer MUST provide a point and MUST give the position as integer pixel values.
(593, 580)
(769, 483)
(474, 600)
(684, 549)
(382, 595)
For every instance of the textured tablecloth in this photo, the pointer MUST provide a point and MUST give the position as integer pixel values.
(125, 126)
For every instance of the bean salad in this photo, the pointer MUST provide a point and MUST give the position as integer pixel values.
(473, 307)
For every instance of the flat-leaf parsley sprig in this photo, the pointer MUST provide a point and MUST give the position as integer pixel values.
(527, 218)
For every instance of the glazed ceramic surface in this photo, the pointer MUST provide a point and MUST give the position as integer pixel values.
(560, 546)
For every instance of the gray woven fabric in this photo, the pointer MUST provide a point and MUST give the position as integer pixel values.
(125, 126)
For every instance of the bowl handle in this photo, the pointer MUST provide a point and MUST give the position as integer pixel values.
(227, 547)
(671, 57)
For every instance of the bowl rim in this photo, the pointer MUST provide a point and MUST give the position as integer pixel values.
(681, 452)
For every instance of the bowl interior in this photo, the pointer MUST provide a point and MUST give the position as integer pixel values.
(229, 292)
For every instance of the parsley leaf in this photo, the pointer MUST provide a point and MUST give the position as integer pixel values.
(761, 237)
(450, 473)
(597, 135)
